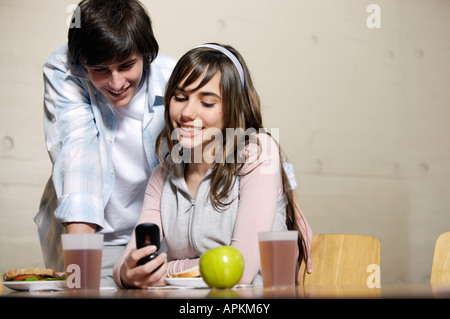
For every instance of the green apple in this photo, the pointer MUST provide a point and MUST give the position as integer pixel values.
(222, 267)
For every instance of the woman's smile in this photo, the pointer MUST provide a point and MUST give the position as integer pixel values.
(190, 130)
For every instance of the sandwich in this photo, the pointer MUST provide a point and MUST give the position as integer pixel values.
(31, 274)
(188, 273)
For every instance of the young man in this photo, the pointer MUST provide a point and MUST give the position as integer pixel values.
(103, 112)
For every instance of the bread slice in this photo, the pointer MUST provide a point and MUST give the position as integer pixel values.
(188, 273)
(22, 274)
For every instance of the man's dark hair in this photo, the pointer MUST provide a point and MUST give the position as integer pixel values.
(110, 31)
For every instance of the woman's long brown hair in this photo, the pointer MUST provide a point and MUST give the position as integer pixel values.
(242, 110)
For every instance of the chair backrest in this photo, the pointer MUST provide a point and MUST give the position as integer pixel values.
(342, 259)
(440, 270)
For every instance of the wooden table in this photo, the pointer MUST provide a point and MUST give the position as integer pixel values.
(402, 291)
(242, 300)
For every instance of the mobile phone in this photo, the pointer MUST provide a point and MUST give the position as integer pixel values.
(147, 234)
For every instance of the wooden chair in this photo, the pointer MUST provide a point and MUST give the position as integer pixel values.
(342, 259)
(440, 270)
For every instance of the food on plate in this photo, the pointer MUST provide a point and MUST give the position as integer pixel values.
(31, 274)
(188, 273)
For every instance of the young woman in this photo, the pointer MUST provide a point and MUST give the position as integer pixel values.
(221, 178)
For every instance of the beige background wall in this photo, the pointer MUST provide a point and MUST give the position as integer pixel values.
(363, 113)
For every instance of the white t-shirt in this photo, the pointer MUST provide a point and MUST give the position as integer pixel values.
(131, 171)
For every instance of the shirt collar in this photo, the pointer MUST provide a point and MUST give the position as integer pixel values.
(78, 70)
(157, 84)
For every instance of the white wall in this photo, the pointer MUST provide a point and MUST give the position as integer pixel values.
(363, 113)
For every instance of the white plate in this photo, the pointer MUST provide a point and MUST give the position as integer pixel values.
(187, 282)
(36, 285)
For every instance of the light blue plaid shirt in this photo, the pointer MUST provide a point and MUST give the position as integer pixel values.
(80, 127)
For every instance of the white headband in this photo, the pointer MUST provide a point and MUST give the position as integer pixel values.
(230, 55)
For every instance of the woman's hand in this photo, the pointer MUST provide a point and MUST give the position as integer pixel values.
(150, 274)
